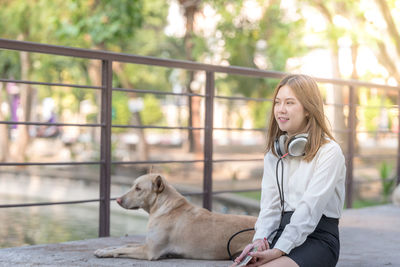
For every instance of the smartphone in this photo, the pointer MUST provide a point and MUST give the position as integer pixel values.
(246, 259)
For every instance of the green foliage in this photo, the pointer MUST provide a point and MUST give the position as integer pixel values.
(372, 114)
(62, 70)
(385, 171)
(150, 39)
(120, 109)
(151, 113)
(280, 38)
(100, 22)
(256, 195)
(9, 64)
(372, 111)
(145, 77)
(29, 20)
(200, 48)
(260, 112)
(363, 203)
(270, 38)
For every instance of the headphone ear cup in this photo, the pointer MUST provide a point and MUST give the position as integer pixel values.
(280, 148)
(297, 145)
(276, 147)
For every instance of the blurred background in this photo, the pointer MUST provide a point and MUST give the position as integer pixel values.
(326, 38)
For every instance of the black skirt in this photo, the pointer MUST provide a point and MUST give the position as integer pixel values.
(321, 247)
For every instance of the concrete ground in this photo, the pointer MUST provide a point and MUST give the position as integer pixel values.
(369, 237)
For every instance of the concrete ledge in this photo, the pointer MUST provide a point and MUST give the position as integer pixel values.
(369, 237)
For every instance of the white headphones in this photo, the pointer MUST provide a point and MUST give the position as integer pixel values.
(296, 145)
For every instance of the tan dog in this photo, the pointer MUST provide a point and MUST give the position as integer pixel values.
(176, 227)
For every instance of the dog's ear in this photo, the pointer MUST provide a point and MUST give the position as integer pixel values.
(158, 184)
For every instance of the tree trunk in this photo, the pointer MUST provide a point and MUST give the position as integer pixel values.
(354, 76)
(335, 96)
(190, 8)
(94, 71)
(383, 55)
(387, 61)
(194, 119)
(391, 26)
(26, 94)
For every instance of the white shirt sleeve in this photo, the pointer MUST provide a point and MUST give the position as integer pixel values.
(270, 209)
(329, 171)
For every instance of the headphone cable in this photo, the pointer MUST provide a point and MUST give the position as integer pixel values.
(280, 186)
(230, 239)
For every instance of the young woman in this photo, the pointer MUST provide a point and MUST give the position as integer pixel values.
(303, 184)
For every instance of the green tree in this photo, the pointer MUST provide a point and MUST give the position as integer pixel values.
(105, 25)
(151, 112)
(248, 41)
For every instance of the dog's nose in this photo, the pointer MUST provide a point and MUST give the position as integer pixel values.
(119, 200)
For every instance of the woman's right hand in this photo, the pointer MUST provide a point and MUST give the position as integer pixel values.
(259, 243)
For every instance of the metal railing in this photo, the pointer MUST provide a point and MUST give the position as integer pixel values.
(105, 162)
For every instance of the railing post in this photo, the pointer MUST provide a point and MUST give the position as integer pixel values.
(351, 124)
(208, 141)
(398, 139)
(105, 149)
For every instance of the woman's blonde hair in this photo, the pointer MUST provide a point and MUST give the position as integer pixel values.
(307, 92)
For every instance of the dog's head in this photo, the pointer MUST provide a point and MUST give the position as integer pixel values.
(143, 193)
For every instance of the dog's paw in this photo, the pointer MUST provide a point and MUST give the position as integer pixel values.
(103, 253)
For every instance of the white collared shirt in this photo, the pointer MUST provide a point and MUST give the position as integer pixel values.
(311, 189)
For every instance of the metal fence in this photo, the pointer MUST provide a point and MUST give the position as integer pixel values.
(105, 162)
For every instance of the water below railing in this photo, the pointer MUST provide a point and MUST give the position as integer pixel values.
(57, 223)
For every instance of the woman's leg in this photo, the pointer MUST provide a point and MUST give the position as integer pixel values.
(281, 262)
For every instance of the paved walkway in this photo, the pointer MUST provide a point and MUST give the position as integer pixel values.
(369, 237)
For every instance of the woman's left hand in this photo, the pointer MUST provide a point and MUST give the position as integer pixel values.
(265, 256)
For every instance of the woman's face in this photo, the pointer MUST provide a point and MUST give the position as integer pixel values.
(289, 112)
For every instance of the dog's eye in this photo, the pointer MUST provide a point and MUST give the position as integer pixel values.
(137, 188)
